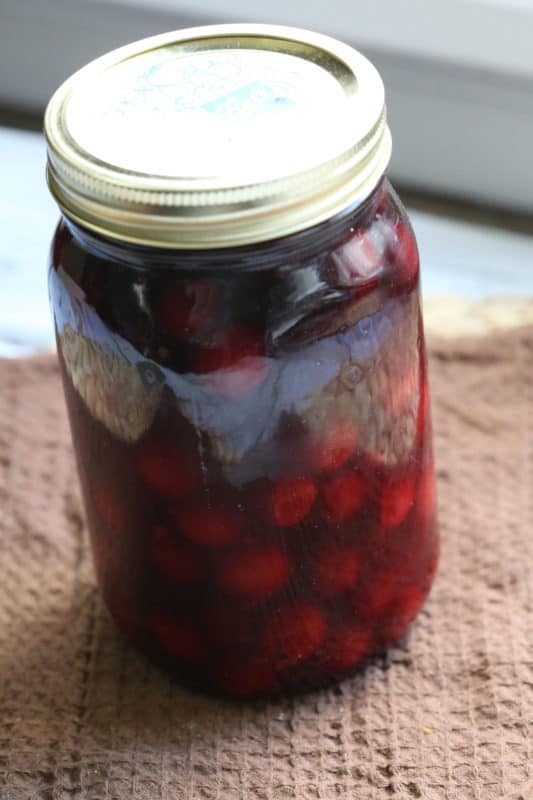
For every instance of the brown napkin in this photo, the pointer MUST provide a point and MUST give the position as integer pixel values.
(448, 716)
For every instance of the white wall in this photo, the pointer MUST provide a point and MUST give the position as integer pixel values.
(458, 73)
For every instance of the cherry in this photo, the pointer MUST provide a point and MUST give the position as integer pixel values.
(375, 599)
(180, 639)
(185, 309)
(257, 572)
(331, 450)
(292, 500)
(337, 570)
(360, 258)
(168, 470)
(343, 495)
(403, 253)
(389, 605)
(213, 525)
(346, 647)
(397, 499)
(406, 606)
(230, 623)
(247, 675)
(235, 365)
(296, 632)
(173, 558)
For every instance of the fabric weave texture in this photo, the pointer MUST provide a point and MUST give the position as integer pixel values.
(447, 715)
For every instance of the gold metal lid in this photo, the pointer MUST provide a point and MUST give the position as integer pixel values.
(217, 136)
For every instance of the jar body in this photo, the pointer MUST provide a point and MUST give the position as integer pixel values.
(253, 438)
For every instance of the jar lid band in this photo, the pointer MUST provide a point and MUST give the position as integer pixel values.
(217, 136)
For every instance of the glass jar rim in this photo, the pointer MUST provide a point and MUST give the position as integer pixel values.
(285, 252)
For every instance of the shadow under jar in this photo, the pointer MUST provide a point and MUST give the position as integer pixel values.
(243, 355)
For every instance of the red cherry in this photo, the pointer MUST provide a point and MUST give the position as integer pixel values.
(167, 470)
(186, 308)
(402, 612)
(403, 253)
(111, 508)
(331, 450)
(360, 258)
(343, 495)
(236, 365)
(377, 596)
(258, 572)
(337, 570)
(348, 645)
(180, 639)
(292, 500)
(229, 623)
(247, 675)
(174, 559)
(397, 499)
(214, 525)
(296, 632)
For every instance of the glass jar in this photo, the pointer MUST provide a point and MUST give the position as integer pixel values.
(250, 411)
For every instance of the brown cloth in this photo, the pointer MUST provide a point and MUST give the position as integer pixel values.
(448, 716)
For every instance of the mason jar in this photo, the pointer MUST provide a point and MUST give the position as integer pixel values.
(235, 289)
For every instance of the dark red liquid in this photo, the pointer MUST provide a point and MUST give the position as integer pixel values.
(254, 444)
